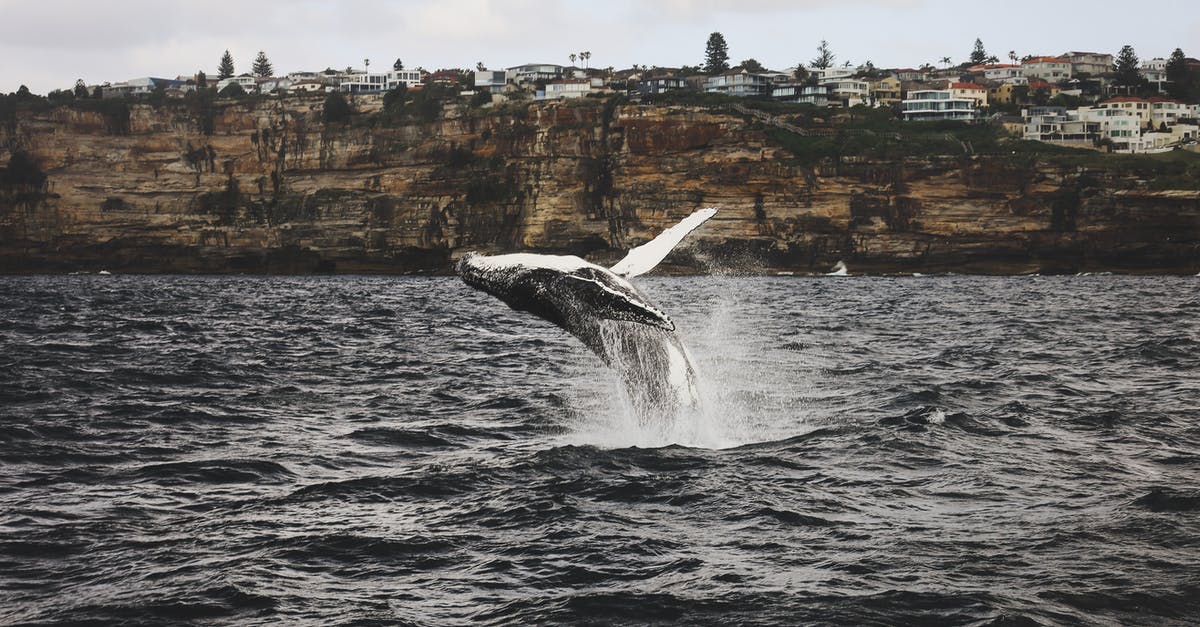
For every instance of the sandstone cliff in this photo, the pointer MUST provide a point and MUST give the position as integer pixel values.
(266, 186)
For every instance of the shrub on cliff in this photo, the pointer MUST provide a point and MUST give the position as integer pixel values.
(337, 110)
(232, 90)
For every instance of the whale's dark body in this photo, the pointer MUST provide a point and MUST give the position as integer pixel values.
(605, 311)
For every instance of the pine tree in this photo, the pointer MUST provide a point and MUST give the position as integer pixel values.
(979, 56)
(201, 80)
(225, 70)
(1127, 73)
(398, 65)
(262, 65)
(1181, 83)
(825, 56)
(716, 54)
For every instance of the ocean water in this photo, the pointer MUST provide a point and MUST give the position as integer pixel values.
(386, 450)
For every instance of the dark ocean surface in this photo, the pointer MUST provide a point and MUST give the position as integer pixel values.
(363, 450)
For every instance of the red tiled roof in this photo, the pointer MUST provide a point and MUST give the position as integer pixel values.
(967, 86)
(1124, 99)
(1040, 84)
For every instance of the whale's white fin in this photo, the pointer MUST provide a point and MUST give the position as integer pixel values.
(642, 259)
(614, 305)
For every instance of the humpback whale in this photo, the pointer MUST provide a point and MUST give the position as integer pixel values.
(602, 308)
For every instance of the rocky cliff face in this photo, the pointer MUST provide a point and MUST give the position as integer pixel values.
(266, 186)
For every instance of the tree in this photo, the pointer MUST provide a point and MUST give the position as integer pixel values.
(225, 69)
(1181, 82)
(399, 65)
(825, 56)
(752, 65)
(801, 74)
(572, 57)
(1127, 73)
(946, 61)
(716, 54)
(201, 80)
(262, 65)
(585, 55)
(1012, 56)
(979, 56)
(81, 90)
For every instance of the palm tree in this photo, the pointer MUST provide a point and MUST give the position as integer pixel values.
(572, 56)
(1012, 56)
(367, 62)
(585, 55)
(946, 61)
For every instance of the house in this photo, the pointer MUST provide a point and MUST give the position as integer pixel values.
(1000, 73)
(491, 81)
(1170, 111)
(662, 83)
(364, 82)
(740, 83)
(448, 78)
(1052, 69)
(1123, 128)
(937, 104)
(310, 86)
(377, 82)
(802, 93)
(1139, 107)
(1042, 87)
(570, 88)
(974, 91)
(1091, 63)
(270, 85)
(910, 75)
(248, 83)
(847, 92)
(534, 72)
(1055, 125)
(142, 87)
(886, 92)
(1155, 73)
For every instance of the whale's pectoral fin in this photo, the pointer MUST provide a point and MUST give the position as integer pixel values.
(642, 259)
(606, 302)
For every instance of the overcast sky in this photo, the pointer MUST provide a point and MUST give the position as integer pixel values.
(47, 44)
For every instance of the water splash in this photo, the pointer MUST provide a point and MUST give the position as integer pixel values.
(743, 397)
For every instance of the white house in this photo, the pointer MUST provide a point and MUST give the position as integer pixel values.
(1155, 73)
(1055, 125)
(534, 72)
(817, 95)
(937, 104)
(491, 81)
(1050, 69)
(248, 83)
(1003, 73)
(569, 88)
(269, 85)
(739, 84)
(848, 92)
